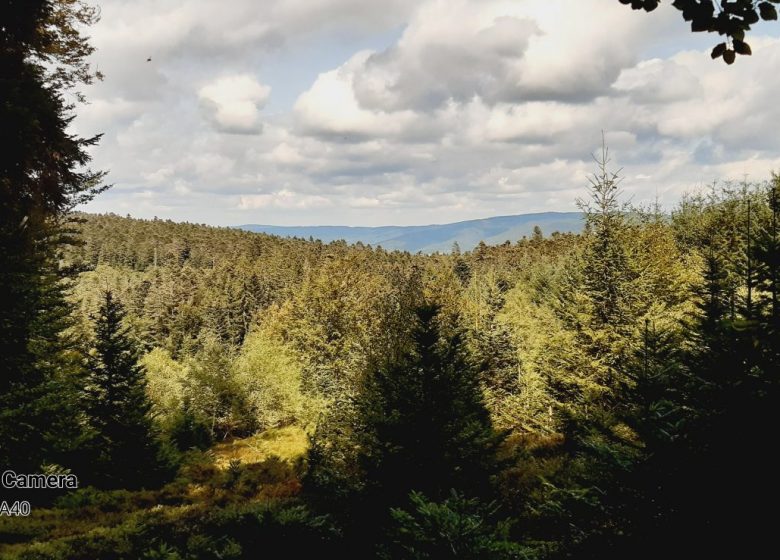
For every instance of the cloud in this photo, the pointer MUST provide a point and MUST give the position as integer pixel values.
(461, 57)
(331, 108)
(423, 111)
(233, 103)
(168, 29)
(659, 82)
(501, 51)
(281, 199)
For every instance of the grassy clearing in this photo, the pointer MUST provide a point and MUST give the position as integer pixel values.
(287, 444)
(254, 472)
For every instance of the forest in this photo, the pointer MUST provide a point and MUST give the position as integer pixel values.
(180, 391)
(561, 396)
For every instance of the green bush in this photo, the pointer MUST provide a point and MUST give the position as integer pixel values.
(458, 527)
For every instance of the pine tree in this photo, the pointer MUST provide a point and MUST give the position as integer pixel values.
(766, 252)
(426, 427)
(457, 527)
(638, 457)
(599, 296)
(679, 461)
(493, 350)
(40, 369)
(42, 177)
(606, 268)
(462, 269)
(734, 396)
(124, 440)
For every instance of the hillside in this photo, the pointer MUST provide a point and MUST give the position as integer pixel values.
(435, 237)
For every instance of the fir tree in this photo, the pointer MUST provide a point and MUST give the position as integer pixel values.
(457, 527)
(426, 426)
(659, 465)
(766, 251)
(494, 352)
(606, 269)
(124, 440)
(42, 177)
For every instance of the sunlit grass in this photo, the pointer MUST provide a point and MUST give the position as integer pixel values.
(261, 469)
(287, 444)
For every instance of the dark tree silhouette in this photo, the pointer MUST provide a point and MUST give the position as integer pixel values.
(732, 19)
(124, 442)
(42, 176)
(426, 426)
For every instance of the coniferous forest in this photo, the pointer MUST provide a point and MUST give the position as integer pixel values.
(222, 394)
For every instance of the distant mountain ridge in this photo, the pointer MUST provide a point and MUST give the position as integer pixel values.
(436, 237)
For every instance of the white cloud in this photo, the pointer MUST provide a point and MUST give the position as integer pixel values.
(285, 154)
(234, 103)
(471, 49)
(659, 81)
(282, 199)
(445, 110)
(331, 107)
(503, 51)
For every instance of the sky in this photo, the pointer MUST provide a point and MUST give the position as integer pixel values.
(403, 112)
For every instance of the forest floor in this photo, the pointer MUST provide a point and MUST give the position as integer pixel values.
(289, 444)
(262, 469)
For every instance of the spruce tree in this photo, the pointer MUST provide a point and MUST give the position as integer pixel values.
(43, 176)
(606, 269)
(601, 305)
(124, 441)
(495, 354)
(766, 251)
(678, 464)
(426, 427)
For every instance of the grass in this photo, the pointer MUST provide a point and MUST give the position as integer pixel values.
(287, 444)
(256, 471)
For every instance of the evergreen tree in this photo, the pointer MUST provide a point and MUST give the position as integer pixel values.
(766, 250)
(462, 269)
(459, 265)
(631, 467)
(606, 270)
(598, 300)
(678, 463)
(493, 350)
(457, 527)
(124, 441)
(426, 427)
(42, 176)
